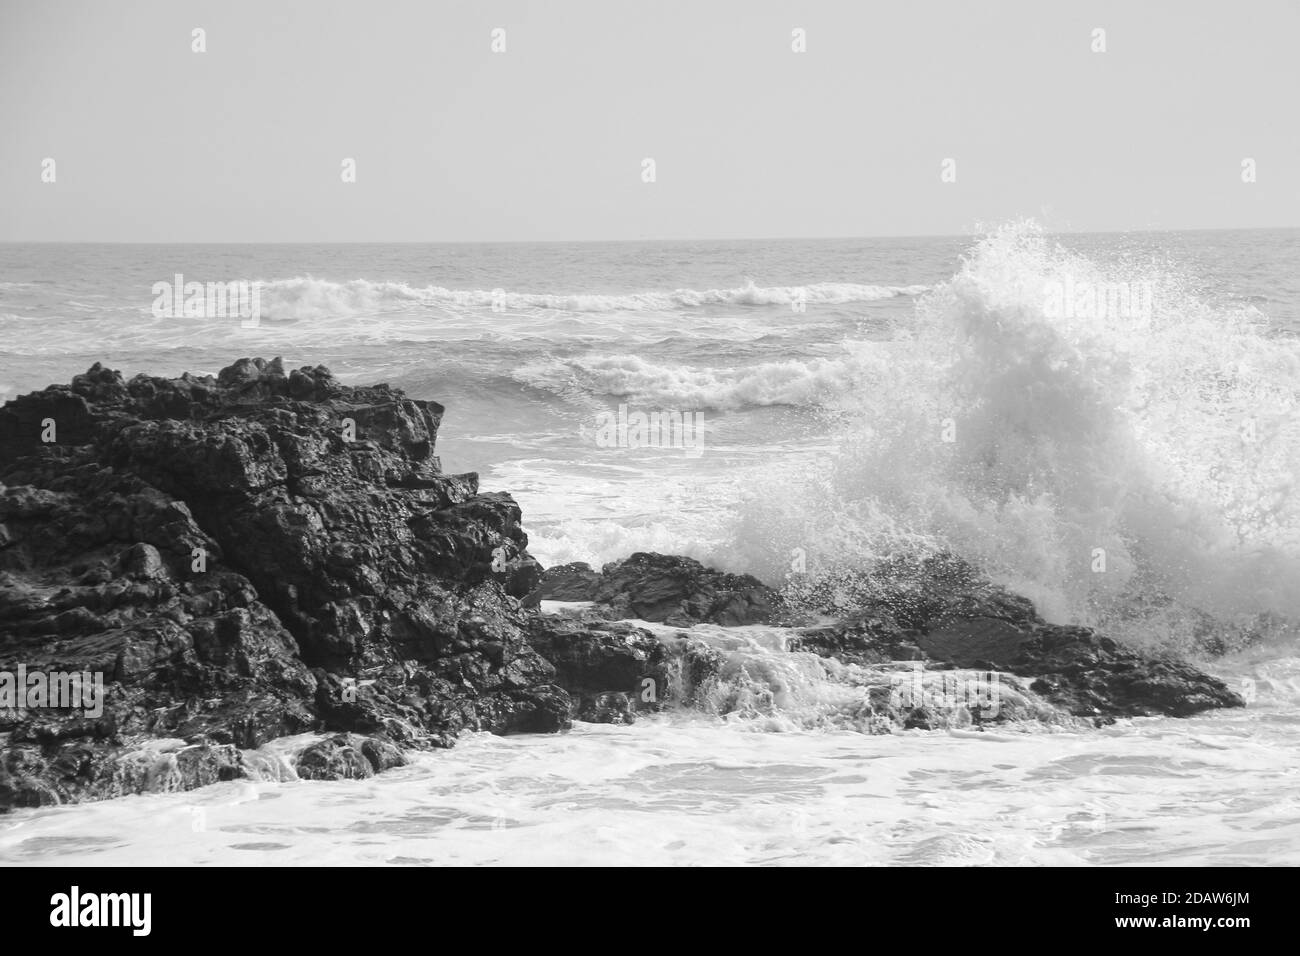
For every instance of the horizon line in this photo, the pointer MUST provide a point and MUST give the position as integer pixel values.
(502, 242)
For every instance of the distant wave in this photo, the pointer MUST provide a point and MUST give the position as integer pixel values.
(305, 297)
(794, 382)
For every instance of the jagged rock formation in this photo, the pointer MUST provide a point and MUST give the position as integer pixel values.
(659, 587)
(941, 610)
(245, 557)
(940, 613)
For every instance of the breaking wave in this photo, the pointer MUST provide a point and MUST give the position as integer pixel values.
(306, 297)
(1135, 471)
(811, 382)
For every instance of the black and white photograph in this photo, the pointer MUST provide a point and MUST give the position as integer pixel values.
(781, 433)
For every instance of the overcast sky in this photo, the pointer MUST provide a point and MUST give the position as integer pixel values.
(154, 142)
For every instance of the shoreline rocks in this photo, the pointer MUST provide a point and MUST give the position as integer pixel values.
(267, 552)
(943, 613)
(249, 556)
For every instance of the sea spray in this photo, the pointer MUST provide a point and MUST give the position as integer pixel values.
(1131, 472)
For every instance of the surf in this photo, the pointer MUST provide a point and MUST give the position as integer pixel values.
(1131, 472)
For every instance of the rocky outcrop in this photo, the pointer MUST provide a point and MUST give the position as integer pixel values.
(659, 587)
(248, 556)
(921, 633)
(615, 669)
(567, 582)
(942, 611)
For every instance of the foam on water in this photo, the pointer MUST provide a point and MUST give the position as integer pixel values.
(1216, 789)
(755, 681)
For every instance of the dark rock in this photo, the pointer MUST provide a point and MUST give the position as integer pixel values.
(249, 556)
(569, 582)
(612, 707)
(664, 588)
(594, 659)
(80, 770)
(347, 757)
(942, 611)
(970, 642)
(614, 668)
(865, 637)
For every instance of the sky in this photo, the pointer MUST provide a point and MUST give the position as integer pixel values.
(546, 140)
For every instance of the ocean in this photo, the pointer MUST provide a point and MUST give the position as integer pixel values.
(1107, 424)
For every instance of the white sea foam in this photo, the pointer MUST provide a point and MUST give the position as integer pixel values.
(1211, 790)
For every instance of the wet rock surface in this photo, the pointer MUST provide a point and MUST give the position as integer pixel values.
(246, 556)
(942, 612)
(347, 757)
(664, 588)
